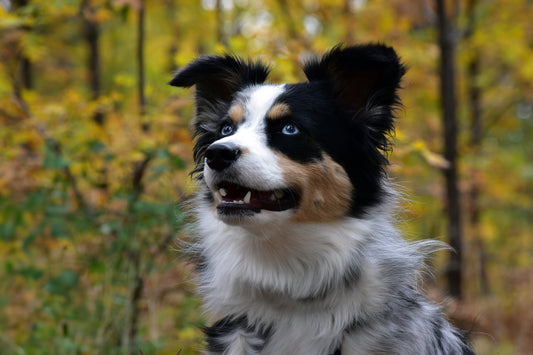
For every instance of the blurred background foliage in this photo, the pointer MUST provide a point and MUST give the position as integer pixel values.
(95, 150)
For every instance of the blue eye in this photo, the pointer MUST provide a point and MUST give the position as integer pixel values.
(226, 129)
(290, 129)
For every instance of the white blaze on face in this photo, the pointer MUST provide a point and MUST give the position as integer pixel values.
(261, 99)
(258, 165)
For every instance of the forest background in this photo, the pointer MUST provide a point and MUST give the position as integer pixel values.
(95, 149)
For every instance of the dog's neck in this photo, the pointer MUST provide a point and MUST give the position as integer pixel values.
(295, 264)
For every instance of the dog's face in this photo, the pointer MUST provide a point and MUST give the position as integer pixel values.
(306, 152)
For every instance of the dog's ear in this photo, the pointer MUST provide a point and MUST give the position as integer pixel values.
(218, 78)
(364, 79)
(359, 74)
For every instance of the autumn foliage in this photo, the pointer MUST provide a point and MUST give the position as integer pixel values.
(95, 151)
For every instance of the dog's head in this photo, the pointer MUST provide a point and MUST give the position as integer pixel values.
(310, 152)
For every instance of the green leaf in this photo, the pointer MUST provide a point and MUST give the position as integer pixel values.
(160, 168)
(31, 272)
(52, 160)
(96, 146)
(7, 231)
(97, 266)
(32, 235)
(161, 153)
(177, 162)
(35, 200)
(63, 283)
(9, 267)
(57, 227)
(59, 4)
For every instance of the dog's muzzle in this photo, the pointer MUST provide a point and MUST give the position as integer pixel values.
(234, 196)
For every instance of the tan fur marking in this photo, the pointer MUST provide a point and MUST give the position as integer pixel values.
(279, 111)
(324, 186)
(236, 113)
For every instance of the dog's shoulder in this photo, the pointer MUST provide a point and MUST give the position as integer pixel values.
(408, 324)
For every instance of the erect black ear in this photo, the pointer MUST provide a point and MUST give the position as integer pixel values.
(358, 74)
(218, 78)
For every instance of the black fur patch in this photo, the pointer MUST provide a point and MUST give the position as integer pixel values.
(467, 351)
(220, 329)
(219, 78)
(228, 325)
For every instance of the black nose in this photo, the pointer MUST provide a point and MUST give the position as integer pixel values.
(221, 155)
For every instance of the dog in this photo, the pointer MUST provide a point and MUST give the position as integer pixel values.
(297, 250)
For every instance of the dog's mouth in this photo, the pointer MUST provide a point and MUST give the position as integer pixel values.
(233, 198)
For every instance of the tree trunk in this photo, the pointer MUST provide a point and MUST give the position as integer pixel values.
(135, 298)
(92, 37)
(140, 66)
(24, 77)
(476, 128)
(446, 33)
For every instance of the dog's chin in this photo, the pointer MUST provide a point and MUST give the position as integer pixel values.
(237, 204)
(256, 221)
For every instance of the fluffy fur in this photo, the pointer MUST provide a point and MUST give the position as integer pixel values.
(297, 252)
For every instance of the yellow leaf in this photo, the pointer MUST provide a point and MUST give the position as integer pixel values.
(419, 145)
(135, 155)
(124, 79)
(76, 168)
(103, 14)
(189, 334)
(433, 159)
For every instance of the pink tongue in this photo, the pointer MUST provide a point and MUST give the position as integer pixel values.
(234, 193)
(261, 195)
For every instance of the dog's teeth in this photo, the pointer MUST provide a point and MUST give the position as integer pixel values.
(279, 193)
(248, 197)
(217, 196)
(273, 197)
(222, 191)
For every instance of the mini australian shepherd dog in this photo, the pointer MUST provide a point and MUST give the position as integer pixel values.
(297, 251)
